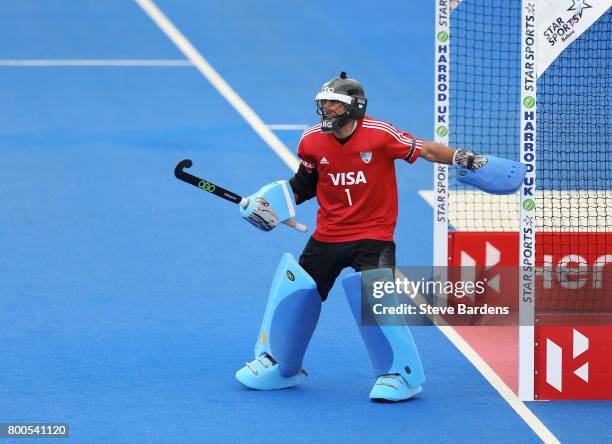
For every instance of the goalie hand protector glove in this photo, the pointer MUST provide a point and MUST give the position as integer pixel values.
(272, 204)
(489, 173)
(262, 215)
(469, 159)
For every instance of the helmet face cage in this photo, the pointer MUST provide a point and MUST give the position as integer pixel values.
(338, 109)
(332, 123)
(347, 91)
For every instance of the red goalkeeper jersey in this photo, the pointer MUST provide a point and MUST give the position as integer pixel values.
(357, 189)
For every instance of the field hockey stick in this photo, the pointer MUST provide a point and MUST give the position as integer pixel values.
(220, 191)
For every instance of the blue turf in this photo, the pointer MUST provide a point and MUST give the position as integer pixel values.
(130, 298)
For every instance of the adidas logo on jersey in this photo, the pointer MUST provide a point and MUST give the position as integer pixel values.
(324, 161)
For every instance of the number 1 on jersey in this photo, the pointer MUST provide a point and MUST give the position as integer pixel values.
(348, 195)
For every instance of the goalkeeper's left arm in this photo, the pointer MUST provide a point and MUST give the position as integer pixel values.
(439, 153)
(489, 173)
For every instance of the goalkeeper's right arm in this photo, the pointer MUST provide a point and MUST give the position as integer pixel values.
(304, 183)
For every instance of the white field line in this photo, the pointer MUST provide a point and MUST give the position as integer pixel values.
(41, 63)
(489, 374)
(219, 83)
(485, 370)
(498, 384)
(287, 127)
(517, 405)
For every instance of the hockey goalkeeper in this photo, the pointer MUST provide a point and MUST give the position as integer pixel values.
(348, 164)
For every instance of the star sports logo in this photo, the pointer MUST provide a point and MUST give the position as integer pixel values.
(564, 26)
(579, 6)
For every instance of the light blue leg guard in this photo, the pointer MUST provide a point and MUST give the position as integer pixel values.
(392, 350)
(289, 321)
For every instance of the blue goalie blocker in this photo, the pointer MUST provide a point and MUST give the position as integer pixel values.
(497, 176)
(391, 347)
(291, 315)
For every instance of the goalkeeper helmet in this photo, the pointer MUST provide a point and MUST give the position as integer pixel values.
(347, 91)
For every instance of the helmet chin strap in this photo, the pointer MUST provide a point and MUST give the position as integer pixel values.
(335, 123)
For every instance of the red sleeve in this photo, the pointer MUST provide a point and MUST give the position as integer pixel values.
(306, 159)
(402, 145)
